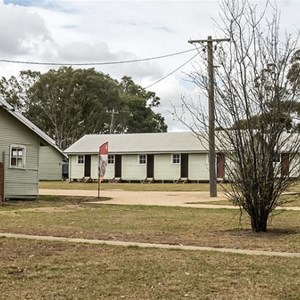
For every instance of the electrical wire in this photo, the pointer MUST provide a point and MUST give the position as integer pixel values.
(181, 66)
(95, 63)
(113, 63)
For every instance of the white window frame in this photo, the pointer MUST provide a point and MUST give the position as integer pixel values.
(176, 158)
(142, 159)
(17, 157)
(80, 159)
(111, 159)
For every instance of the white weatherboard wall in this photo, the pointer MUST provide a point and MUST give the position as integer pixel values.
(50, 164)
(294, 166)
(110, 172)
(110, 169)
(198, 167)
(131, 169)
(94, 167)
(19, 183)
(76, 171)
(164, 169)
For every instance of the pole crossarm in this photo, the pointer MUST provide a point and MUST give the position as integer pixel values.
(209, 40)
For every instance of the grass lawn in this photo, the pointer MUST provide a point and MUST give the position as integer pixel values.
(53, 270)
(292, 200)
(48, 270)
(73, 217)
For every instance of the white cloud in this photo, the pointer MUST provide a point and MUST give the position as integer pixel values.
(22, 32)
(98, 31)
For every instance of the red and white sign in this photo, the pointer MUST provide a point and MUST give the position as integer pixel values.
(103, 158)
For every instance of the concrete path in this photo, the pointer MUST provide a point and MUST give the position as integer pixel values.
(148, 245)
(120, 197)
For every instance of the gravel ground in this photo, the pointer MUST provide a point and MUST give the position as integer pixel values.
(183, 199)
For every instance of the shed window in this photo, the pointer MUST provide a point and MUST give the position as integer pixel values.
(80, 159)
(17, 156)
(111, 159)
(276, 157)
(176, 158)
(142, 159)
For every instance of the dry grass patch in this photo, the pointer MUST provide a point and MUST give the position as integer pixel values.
(291, 200)
(171, 225)
(48, 270)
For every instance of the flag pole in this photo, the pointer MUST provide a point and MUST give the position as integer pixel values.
(99, 174)
(103, 159)
(98, 187)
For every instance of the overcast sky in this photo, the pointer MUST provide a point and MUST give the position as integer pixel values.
(103, 31)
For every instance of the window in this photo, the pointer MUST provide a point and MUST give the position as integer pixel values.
(80, 159)
(17, 156)
(176, 158)
(276, 157)
(142, 159)
(111, 159)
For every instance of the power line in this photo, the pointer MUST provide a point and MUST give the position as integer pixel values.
(181, 66)
(95, 63)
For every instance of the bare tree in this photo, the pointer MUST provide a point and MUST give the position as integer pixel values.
(254, 106)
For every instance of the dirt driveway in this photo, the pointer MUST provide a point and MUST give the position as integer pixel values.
(184, 199)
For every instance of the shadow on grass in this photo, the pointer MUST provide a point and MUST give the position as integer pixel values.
(45, 200)
(271, 232)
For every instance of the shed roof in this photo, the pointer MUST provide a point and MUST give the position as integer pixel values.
(168, 142)
(10, 109)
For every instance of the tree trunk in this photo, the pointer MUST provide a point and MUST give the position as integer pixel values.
(259, 223)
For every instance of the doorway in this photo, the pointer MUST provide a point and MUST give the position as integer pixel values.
(118, 166)
(184, 166)
(220, 165)
(87, 166)
(285, 164)
(150, 165)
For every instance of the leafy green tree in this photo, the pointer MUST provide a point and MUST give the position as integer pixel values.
(136, 114)
(68, 103)
(256, 121)
(15, 90)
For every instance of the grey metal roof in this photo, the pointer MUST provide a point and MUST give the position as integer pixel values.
(10, 109)
(170, 142)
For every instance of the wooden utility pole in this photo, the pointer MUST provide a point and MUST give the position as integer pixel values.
(211, 111)
(112, 120)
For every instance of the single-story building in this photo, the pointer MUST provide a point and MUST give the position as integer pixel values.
(171, 156)
(27, 154)
(51, 162)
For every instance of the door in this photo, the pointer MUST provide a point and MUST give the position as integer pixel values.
(285, 164)
(150, 166)
(87, 166)
(184, 166)
(1, 182)
(220, 165)
(118, 166)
